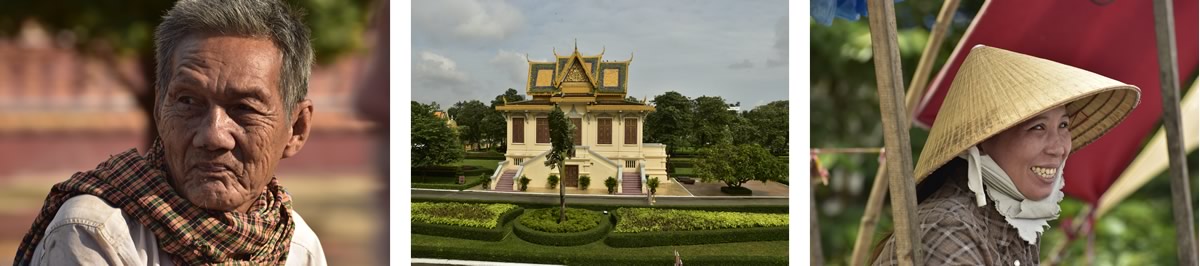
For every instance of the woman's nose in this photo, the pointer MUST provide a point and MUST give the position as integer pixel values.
(1059, 145)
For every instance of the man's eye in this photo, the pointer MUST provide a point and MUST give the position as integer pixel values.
(245, 108)
(189, 100)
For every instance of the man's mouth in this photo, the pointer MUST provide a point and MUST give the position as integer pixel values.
(211, 168)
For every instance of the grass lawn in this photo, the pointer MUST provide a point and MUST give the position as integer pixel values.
(481, 163)
(543, 254)
(685, 172)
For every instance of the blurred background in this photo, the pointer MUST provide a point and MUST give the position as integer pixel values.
(1139, 230)
(75, 84)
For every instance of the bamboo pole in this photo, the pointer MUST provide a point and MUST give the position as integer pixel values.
(920, 79)
(816, 254)
(870, 219)
(915, 90)
(1164, 31)
(890, 86)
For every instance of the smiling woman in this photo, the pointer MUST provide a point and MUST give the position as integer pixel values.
(1002, 139)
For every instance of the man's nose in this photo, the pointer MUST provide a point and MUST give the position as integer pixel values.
(216, 133)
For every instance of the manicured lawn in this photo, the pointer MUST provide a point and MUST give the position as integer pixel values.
(440, 179)
(514, 249)
(685, 172)
(481, 163)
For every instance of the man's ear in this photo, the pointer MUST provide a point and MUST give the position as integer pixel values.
(301, 125)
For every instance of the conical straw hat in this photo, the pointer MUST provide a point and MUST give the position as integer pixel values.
(996, 89)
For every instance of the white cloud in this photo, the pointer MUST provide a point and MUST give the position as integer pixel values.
(742, 65)
(512, 64)
(781, 43)
(433, 72)
(466, 20)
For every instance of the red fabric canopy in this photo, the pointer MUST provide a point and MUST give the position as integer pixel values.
(1111, 38)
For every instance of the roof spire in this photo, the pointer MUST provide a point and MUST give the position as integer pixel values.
(576, 45)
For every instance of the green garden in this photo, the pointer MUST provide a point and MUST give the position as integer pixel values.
(600, 234)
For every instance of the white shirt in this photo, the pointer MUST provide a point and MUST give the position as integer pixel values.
(88, 231)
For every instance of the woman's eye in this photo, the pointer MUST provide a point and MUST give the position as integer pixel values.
(1038, 127)
(1063, 125)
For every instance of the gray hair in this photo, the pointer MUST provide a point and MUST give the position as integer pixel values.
(270, 19)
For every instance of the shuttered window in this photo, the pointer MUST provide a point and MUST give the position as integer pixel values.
(604, 131)
(631, 132)
(543, 130)
(518, 130)
(577, 133)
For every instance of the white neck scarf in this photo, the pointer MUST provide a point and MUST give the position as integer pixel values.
(1027, 216)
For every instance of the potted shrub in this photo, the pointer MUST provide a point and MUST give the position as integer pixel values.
(584, 181)
(552, 181)
(652, 183)
(523, 182)
(487, 180)
(611, 183)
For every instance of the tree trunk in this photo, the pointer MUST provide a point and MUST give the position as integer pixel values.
(562, 193)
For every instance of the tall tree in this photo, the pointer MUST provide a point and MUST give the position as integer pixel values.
(113, 29)
(433, 142)
(736, 165)
(770, 123)
(469, 116)
(671, 121)
(495, 126)
(713, 121)
(562, 148)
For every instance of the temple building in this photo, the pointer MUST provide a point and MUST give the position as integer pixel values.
(608, 127)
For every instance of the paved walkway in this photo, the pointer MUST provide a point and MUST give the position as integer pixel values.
(552, 198)
(758, 187)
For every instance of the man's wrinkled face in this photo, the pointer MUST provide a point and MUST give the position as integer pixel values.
(222, 120)
(1031, 152)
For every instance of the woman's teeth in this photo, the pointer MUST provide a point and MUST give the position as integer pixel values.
(1044, 172)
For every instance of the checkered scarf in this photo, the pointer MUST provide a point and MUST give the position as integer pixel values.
(190, 234)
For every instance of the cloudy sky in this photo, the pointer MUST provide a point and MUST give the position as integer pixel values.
(467, 49)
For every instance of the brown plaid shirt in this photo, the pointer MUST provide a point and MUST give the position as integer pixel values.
(192, 236)
(954, 231)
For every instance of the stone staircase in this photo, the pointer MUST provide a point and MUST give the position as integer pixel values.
(506, 181)
(631, 183)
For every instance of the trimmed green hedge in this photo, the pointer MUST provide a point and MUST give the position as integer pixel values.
(676, 238)
(737, 191)
(635, 220)
(610, 208)
(496, 233)
(461, 214)
(536, 256)
(471, 182)
(561, 239)
(546, 220)
(450, 171)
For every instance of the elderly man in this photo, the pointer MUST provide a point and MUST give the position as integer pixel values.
(230, 91)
